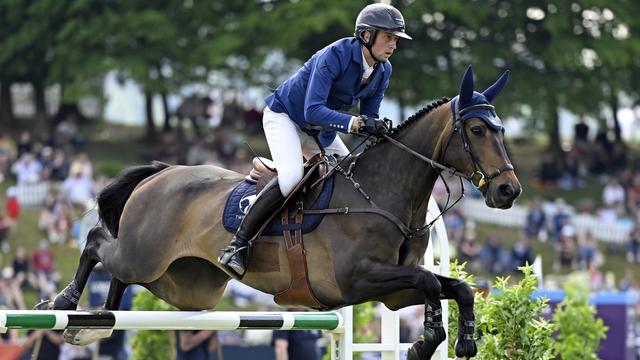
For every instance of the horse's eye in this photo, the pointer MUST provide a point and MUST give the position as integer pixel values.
(477, 130)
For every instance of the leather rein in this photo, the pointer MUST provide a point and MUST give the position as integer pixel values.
(478, 178)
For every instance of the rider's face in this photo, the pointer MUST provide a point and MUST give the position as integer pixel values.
(384, 46)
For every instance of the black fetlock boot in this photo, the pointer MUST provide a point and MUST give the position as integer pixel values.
(233, 257)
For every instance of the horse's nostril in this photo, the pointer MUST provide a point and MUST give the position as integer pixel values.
(507, 190)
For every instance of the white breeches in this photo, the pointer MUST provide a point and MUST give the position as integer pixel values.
(289, 144)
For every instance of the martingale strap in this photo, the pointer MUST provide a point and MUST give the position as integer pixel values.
(406, 231)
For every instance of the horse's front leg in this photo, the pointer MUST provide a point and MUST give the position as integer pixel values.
(375, 280)
(462, 293)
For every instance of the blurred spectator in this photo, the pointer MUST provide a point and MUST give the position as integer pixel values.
(25, 143)
(618, 157)
(46, 342)
(633, 194)
(572, 174)
(196, 344)
(27, 169)
(10, 345)
(581, 135)
(82, 164)
(12, 205)
(493, 256)
(45, 158)
(601, 152)
(8, 153)
(78, 188)
(560, 217)
(10, 293)
(613, 194)
(43, 262)
(454, 223)
(296, 345)
(550, 171)
(469, 250)
(5, 229)
(587, 249)
(225, 147)
(565, 248)
(536, 221)
(55, 218)
(22, 273)
(521, 253)
(76, 352)
(252, 121)
(633, 244)
(59, 166)
(43, 258)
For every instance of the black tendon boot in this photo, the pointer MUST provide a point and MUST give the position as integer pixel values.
(234, 256)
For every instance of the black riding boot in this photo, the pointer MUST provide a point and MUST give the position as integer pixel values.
(233, 257)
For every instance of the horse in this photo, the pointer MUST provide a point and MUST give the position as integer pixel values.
(161, 225)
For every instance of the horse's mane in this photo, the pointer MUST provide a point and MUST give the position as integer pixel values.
(410, 121)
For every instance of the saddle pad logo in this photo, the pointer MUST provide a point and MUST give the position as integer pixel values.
(246, 202)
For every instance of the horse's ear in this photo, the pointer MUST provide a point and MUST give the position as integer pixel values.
(466, 88)
(492, 91)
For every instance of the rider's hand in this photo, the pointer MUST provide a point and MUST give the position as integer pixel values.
(373, 126)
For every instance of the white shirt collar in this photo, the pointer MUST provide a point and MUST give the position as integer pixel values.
(368, 69)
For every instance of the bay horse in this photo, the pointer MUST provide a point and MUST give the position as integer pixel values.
(161, 226)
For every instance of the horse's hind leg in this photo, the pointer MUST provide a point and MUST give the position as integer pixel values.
(114, 297)
(68, 298)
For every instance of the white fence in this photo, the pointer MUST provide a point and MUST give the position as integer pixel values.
(611, 232)
(32, 194)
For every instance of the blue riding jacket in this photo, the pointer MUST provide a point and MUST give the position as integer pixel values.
(329, 82)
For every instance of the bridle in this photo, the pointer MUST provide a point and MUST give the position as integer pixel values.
(478, 178)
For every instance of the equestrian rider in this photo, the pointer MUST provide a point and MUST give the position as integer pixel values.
(333, 80)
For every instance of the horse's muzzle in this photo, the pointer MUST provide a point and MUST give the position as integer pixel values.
(502, 191)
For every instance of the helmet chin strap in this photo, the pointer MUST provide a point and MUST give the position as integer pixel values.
(369, 45)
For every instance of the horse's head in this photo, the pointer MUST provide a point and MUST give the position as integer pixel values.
(476, 146)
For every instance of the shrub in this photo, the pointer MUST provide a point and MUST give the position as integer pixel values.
(578, 331)
(151, 344)
(510, 323)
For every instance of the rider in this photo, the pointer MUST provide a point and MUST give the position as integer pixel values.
(333, 80)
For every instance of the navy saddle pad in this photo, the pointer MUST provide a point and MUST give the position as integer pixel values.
(245, 193)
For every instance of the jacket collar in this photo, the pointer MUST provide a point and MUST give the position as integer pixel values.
(356, 51)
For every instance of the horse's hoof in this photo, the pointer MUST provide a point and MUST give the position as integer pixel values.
(417, 352)
(466, 349)
(85, 336)
(44, 305)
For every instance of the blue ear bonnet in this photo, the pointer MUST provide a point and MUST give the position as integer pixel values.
(488, 115)
(472, 104)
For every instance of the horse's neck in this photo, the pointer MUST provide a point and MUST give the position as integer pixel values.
(403, 182)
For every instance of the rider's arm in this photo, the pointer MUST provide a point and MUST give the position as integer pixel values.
(327, 69)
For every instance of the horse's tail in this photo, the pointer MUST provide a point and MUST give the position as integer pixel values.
(112, 198)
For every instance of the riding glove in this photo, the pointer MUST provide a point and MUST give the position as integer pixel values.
(373, 126)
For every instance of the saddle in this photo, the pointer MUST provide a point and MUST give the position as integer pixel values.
(292, 216)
